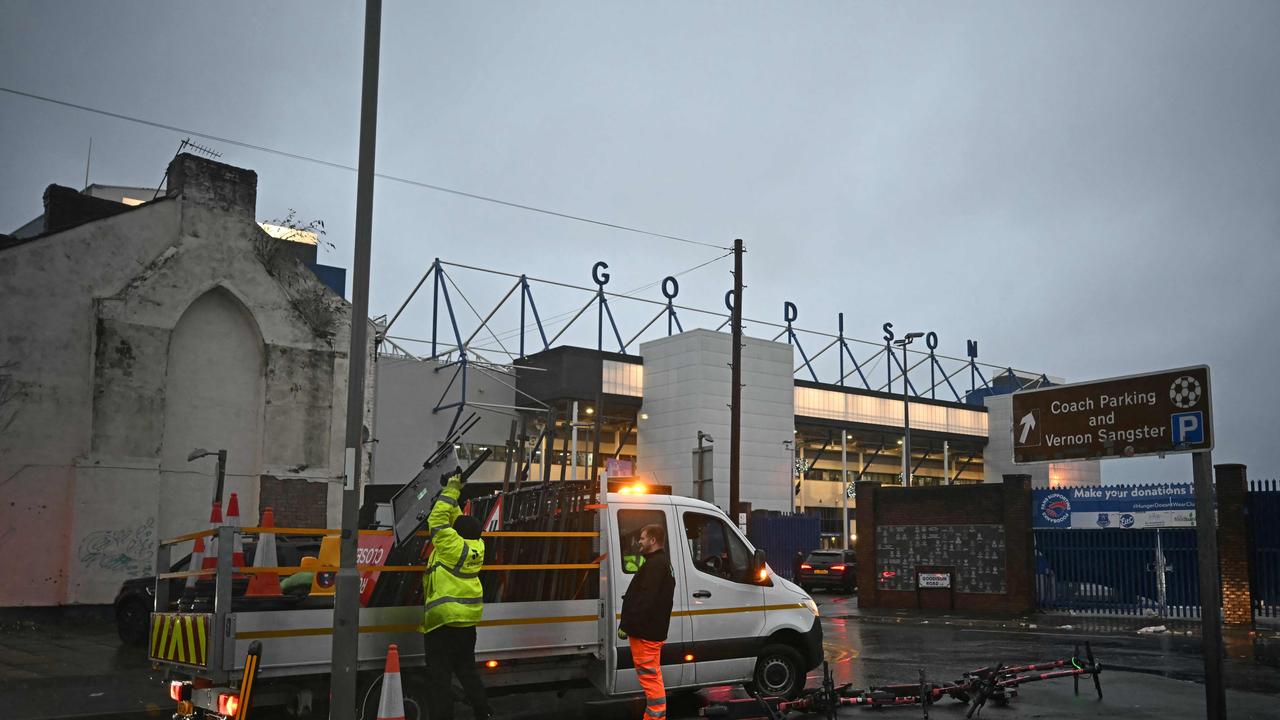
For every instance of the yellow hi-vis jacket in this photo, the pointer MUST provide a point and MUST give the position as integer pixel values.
(451, 583)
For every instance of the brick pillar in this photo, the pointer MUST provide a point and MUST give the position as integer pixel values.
(1233, 544)
(865, 547)
(1019, 549)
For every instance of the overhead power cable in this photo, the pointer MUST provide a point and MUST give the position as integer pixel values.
(340, 166)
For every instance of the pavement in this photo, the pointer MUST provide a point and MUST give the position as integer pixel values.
(75, 668)
(80, 669)
(846, 606)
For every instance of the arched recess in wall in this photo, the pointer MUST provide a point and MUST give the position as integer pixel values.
(213, 400)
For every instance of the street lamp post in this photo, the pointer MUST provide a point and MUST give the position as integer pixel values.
(791, 486)
(701, 480)
(906, 409)
(844, 487)
(222, 468)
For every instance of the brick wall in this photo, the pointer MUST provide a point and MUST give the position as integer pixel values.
(1006, 504)
(1233, 544)
(295, 502)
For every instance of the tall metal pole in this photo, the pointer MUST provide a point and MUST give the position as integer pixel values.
(844, 486)
(906, 423)
(346, 606)
(735, 391)
(1210, 591)
(801, 471)
(573, 432)
(795, 472)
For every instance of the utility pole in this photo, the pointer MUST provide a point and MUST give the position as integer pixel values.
(735, 380)
(1210, 586)
(346, 605)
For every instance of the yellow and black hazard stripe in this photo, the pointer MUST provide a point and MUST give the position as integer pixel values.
(181, 637)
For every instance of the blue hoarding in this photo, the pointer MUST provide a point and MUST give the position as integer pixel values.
(1114, 506)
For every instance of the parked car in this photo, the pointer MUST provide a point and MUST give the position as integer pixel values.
(134, 601)
(830, 569)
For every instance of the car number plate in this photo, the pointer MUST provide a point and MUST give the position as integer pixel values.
(821, 572)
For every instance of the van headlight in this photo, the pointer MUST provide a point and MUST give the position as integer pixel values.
(811, 605)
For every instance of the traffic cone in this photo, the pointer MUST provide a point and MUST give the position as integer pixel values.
(237, 543)
(391, 704)
(197, 561)
(210, 560)
(265, 584)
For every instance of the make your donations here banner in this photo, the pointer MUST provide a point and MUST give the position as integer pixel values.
(1128, 507)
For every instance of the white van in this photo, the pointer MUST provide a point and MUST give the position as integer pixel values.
(733, 621)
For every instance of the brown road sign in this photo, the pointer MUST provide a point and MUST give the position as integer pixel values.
(1152, 414)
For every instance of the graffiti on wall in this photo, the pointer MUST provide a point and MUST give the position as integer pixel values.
(129, 550)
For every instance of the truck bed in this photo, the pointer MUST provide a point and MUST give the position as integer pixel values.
(298, 642)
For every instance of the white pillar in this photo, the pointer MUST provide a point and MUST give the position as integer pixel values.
(946, 462)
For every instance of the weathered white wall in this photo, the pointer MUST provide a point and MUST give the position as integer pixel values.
(216, 370)
(94, 437)
(687, 389)
(997, 459)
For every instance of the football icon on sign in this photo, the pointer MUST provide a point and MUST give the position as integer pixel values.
(1185, 392)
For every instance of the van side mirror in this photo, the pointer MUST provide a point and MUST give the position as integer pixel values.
(758, 573)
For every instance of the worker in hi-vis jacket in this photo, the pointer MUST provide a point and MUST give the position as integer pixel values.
(452, 605)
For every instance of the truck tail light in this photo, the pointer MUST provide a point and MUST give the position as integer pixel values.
(228, 704)
(175, 690)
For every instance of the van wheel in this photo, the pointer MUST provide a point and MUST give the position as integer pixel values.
(779, 672)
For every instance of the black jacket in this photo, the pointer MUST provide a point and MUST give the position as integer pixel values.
(646, 606)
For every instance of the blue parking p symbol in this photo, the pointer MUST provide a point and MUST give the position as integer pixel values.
(1188, 427)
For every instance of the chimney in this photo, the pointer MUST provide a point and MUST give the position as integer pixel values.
(223, 186)
(66, 207)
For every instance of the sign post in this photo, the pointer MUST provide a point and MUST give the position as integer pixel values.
(1150, 414)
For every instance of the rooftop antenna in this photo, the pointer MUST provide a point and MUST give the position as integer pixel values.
(87, 160)
(185, 144)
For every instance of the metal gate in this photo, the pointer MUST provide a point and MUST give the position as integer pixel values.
(1263, 510)
(1117, 571)
(783, 537)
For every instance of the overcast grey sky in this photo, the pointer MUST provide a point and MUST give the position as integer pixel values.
(1088, 189)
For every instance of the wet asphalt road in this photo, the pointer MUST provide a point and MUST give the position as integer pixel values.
(1144, 676)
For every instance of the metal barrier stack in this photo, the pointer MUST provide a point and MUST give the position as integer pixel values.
(548, 530)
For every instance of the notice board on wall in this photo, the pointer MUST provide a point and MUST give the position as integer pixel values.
(975, 551)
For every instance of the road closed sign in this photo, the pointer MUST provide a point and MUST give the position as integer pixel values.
(1151, 414)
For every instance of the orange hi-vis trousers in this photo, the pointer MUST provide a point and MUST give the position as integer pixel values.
(647, 656)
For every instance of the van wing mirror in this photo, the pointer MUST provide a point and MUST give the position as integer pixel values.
(758, 560)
